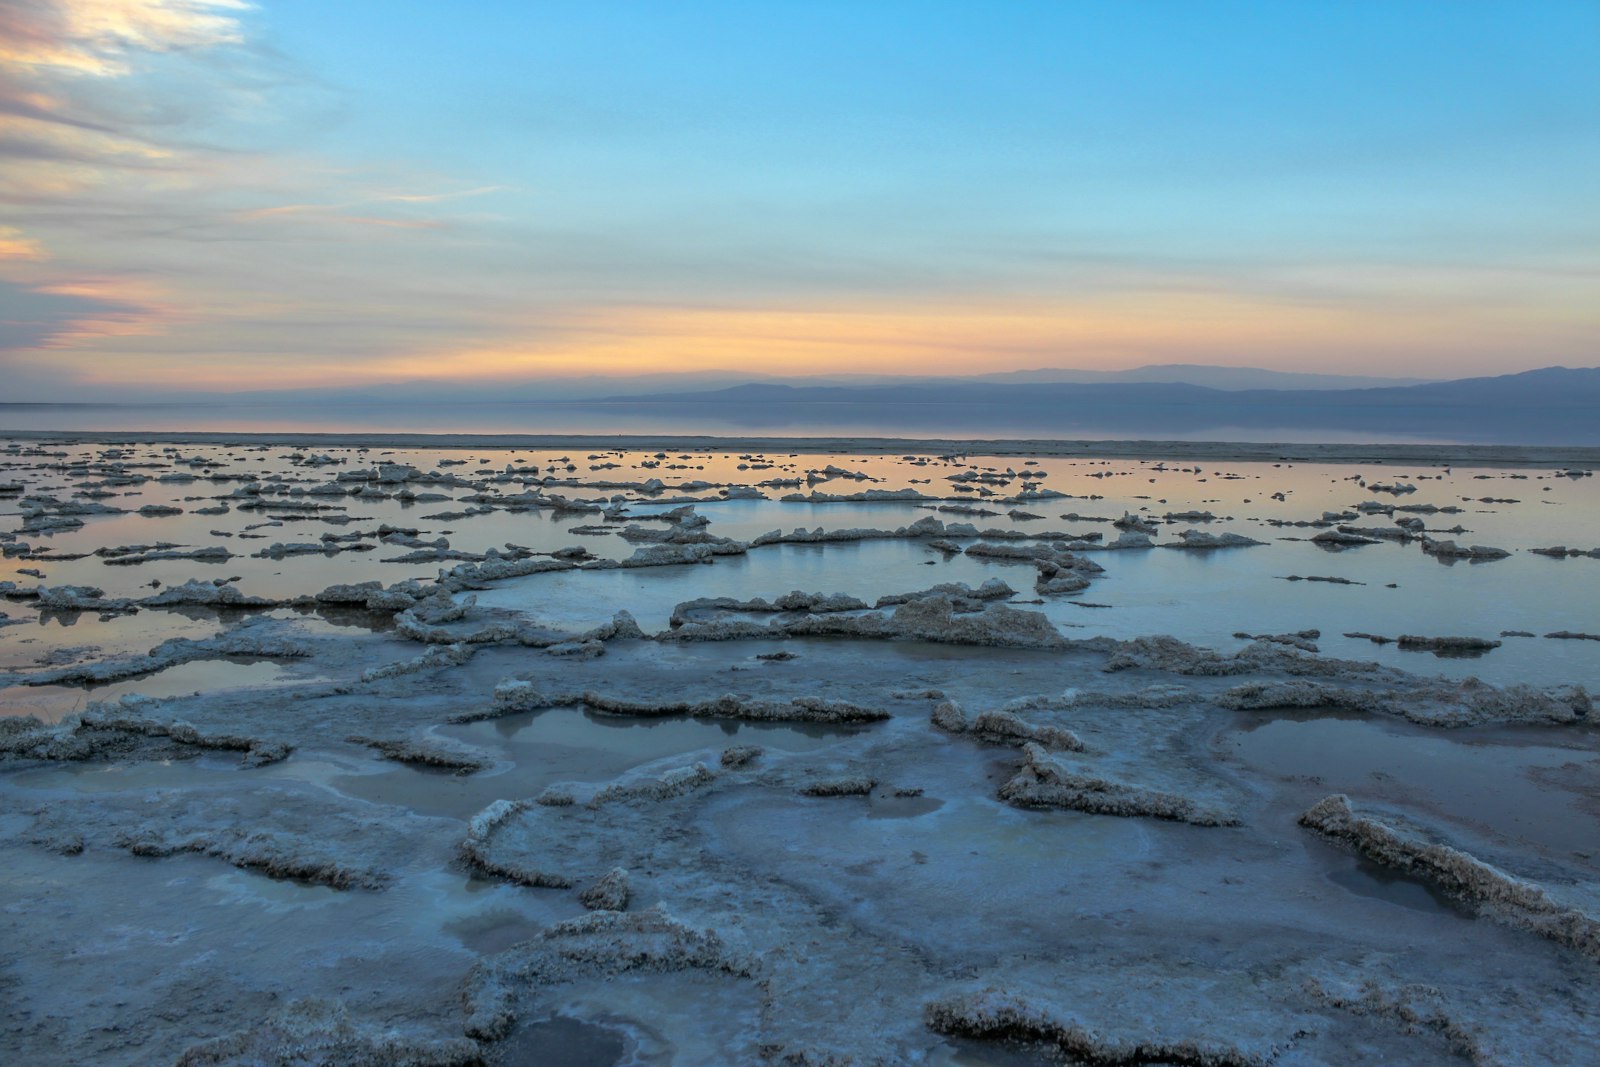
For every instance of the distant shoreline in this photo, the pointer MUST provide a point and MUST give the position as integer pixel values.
(1238, 451)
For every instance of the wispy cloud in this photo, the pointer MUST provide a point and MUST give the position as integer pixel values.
(429, 198)
(74, 137)
(282, 209)
(47, 318)
(393, 224)
(350, 211)
(341, 213)
(17, 247)
(64, 126)
(98, 37)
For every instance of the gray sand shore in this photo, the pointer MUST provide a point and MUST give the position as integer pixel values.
(1459, 455)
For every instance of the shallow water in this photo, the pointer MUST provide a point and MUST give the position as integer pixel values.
(1217, 420)
(541, 748)
(1482, 780)
(52, 703)
(955, 879)
(1368, 879)
(565, 1042)
(1200, 596)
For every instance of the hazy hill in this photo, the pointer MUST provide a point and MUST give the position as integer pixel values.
(1555, 405)
(1549, 387)
(1199, 374)
(589, 387)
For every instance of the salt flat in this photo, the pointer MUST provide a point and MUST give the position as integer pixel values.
(456, 750)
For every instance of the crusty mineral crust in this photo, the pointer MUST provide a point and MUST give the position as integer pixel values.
(1491, 891)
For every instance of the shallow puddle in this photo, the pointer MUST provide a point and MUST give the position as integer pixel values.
(52, 703)
(59, 638)
(493, 931)
(1482, 780)
(629, 741)
(1374, 880)
(893, 807)
(257, 891)
(1366, 878)
(637, 740)
(96, 776)
(562, 1042)
(49, 703)
(965, 1052)
(431, 793)
(541, 748)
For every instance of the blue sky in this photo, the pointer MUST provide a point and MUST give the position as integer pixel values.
(201, 193)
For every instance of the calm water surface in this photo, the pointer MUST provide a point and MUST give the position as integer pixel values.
(1204, 597)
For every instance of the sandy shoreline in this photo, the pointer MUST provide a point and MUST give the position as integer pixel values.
(1239, 451)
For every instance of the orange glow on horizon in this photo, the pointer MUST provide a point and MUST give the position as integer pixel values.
(1106, 333)
(1110, 333)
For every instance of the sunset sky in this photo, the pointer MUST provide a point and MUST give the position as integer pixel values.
(214, 194)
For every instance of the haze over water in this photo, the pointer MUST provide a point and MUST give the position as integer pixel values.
(941, 421)
(1203, 597)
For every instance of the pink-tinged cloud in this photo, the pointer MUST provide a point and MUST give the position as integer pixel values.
(60, 134)
(14, 246)
(95, 37)
(78, 313)
(430, 198)
(120, 307)
(323, 213)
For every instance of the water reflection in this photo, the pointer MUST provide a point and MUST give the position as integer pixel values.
(1204, 597)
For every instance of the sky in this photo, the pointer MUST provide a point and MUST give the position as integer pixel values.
(221, 195)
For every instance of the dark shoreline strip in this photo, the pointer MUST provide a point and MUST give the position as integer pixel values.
(1210, 451)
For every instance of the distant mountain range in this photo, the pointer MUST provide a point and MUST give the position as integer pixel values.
(700, 382)
(1558, 387)
(655, 386)
(1228, 378)
(1554, 405)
